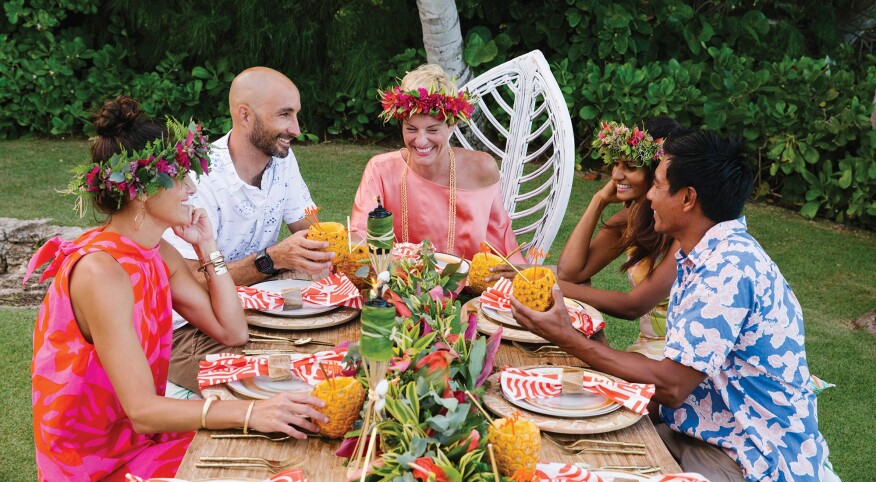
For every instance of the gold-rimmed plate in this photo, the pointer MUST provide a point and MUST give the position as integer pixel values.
(262, 387)
(306, 311)
(566, 405)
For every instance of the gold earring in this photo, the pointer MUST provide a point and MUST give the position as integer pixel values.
(140, 213)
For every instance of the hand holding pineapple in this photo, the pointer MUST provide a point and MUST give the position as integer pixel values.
(343, 397)
(553, 325)
(284, 412)
(532, 286)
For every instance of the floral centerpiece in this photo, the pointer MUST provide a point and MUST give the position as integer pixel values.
(430, 430)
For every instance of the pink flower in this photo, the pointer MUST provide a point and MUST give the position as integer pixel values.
(473, 439)
(636, 138)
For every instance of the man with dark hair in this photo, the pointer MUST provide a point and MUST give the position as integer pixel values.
(734, 387)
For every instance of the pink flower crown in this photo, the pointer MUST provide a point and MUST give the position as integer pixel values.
(157, 165)
(615, 141)
(399, 104)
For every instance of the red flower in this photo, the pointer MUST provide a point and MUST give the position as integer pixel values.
(636, 138)
(401, 309)
(473, 439)
(424, 467)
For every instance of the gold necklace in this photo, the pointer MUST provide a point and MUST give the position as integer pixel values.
(451, 202)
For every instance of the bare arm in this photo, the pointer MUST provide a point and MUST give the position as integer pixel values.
(674, 382)
(215, 310)
(585, 255)
(632, 304)
(293, 252)
(103, 302)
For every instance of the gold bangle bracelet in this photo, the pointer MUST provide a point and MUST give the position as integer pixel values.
(248, 415)
(206, 409)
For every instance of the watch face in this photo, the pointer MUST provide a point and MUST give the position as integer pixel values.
(264, 264)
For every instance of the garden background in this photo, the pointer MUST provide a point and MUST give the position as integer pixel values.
(796, 79)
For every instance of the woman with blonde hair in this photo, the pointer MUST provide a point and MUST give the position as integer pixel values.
(103, 333)
(446, 194)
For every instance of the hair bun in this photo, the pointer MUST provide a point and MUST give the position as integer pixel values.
(116, 116)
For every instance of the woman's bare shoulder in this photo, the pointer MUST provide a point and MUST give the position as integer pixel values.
(481, 166)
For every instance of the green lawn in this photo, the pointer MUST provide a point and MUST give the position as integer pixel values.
(832, 270)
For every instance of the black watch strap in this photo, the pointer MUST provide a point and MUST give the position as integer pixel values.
(264, 263)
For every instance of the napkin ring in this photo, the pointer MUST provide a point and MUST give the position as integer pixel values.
(248, 416)
(206, 409)
(278, 367)
(218, 262)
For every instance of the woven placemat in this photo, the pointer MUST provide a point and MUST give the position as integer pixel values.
(324, 320)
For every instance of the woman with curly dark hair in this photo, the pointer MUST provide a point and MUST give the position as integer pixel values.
(633, 155)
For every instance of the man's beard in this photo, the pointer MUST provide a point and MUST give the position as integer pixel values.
(265, 141)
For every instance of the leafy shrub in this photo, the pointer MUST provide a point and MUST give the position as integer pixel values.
(778, 73)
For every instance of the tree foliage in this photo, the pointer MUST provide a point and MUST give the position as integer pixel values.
(783, 74)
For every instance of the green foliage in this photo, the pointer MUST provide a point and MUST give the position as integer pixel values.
(778, 73)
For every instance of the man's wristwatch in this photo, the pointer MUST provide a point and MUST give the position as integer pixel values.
(264, 263)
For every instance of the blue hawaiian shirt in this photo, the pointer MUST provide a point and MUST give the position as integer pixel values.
(733, 317)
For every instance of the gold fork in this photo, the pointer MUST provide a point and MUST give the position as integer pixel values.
(276, 465)
(542, 351)
(282, 438)
(582, 443)
(260, 338)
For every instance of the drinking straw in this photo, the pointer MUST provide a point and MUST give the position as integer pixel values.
(496, 251)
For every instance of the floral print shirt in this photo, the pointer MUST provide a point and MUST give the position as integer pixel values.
(733, 317)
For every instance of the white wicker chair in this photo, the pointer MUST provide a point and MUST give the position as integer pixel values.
(522, 119)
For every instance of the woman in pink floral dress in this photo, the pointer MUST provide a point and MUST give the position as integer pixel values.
(103, 334)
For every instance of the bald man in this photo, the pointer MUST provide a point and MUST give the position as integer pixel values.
(254, 186)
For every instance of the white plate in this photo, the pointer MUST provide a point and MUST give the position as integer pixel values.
(504, 316)
(263, 387)
(277, 286)
(578, 405)
(444, 259)
(501, 316)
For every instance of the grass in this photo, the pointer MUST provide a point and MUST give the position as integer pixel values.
(832, 270)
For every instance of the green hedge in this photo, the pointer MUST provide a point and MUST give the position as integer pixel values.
(777, 73)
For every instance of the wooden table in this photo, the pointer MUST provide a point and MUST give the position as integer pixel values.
(321, 464)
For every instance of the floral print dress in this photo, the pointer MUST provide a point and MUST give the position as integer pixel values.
(80, 429)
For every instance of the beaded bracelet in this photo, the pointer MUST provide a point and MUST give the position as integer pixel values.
(248, 415)
(206, 409)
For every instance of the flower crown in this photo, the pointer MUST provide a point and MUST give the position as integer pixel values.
(616, 140)
(157, 165)
(400, 104)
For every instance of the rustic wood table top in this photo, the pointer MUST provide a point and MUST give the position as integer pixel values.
(321, 464)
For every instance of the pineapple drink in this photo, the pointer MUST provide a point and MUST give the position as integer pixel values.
(480, 270)
(343, 397)
(535, 293)
(335, 234)
(517, 444)
(378, 319)
(348, 263)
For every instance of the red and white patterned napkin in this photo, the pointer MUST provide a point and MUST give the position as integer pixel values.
(406, 250)
(333, 290)
(583, 322)
(225, 367)
(256, 299)
(291, 475)
(559, 472)
(519, 384)
(498, 297)
(336, 289)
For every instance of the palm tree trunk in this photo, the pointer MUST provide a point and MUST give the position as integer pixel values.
(442, 37)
